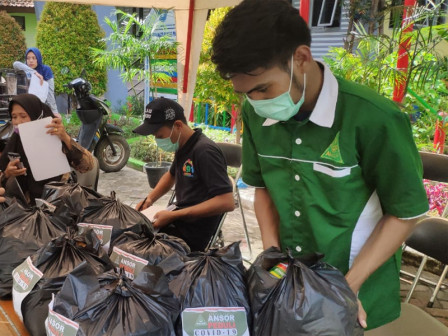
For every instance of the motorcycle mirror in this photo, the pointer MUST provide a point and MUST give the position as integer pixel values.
(65, 70)
(83, 73)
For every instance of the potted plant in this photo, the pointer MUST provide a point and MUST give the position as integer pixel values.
(157, 162)
(156, 169)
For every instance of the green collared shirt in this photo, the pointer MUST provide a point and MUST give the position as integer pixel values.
(334, 175)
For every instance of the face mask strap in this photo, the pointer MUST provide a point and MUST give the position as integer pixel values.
(172, 128)
(292, 71)
(304, 85)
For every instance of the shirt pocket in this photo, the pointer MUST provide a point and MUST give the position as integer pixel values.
(332, 171)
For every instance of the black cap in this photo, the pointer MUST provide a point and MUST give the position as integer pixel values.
(159, 112)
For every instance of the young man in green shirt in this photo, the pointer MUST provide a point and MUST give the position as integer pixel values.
(334, 164)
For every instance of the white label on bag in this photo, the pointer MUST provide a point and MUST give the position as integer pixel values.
(24, 278)
(215, 321)
(58, 325)
(103, 232)
(131, 264)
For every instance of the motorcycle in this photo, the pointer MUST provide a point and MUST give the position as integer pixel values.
(105, 140)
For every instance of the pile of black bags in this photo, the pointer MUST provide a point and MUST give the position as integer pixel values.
(141, 284)
(22, 232)
(113, 305)
(54, 262)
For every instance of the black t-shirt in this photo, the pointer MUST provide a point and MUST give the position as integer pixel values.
(200, 171)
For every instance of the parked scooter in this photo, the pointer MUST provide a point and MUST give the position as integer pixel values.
(105, 140)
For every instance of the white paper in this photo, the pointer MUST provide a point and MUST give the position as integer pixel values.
(43, 151)
(41, 91)
(153, 209)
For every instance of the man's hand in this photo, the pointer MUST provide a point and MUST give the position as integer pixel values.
(142, 205)
(362, 315)
(12, 169)
(2, 192)
(385, 239)
(163, 218)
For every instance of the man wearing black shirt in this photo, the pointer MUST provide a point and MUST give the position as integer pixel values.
(203, 189)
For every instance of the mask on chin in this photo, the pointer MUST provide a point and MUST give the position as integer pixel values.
(282, 107)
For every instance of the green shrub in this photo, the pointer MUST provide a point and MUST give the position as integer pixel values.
(216, 135)
(127, 125)
(133, 107)
(145, 149)
(65, 34)
(72, 124)
(12, 41)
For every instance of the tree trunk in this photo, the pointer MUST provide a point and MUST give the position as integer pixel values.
(381, 4)
(239, 124)
(239, 121)
(373, 16)
(349, 39)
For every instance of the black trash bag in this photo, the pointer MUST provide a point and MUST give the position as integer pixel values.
(22, 232)
(56, 260)
(8, 201)
(110, 211)
(313, 298)
(153, 247)
(211, 279)
(70, 200)
(112, 305)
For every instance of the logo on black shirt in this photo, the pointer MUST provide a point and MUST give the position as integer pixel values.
(188, 168)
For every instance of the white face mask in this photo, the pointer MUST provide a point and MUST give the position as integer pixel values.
(166, 143)
(282, 107)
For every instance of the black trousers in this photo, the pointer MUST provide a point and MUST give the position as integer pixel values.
(196, 233)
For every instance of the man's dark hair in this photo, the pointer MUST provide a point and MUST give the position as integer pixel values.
(170, 123)
(258, 33)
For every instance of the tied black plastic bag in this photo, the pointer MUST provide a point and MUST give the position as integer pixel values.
(5, 204)
(22, 232)
(211, 279)
(54, 262)
(313, 298)
(110, 211)
(112, 305)
(153, 247)
(69, 198)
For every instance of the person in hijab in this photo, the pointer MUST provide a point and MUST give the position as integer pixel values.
(35, 66)
(24, 108)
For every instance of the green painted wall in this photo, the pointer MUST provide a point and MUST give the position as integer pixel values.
(30, 27)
